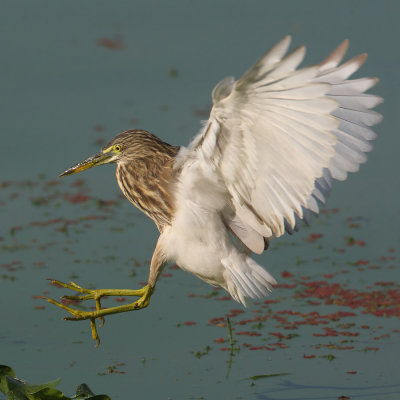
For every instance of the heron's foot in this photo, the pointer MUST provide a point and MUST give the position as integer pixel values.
(96, 294)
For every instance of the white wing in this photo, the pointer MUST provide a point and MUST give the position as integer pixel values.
(277, 137)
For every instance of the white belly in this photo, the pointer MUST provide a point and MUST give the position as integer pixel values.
(197, 242)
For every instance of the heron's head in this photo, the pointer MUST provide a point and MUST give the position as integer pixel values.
(125, 147)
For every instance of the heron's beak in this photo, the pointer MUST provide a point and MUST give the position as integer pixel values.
(97, 159)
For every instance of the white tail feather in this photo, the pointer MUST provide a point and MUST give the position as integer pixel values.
(245, 278)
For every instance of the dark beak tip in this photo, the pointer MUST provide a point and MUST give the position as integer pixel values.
(69, 171)
(88, 163)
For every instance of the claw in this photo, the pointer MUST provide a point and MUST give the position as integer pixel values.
(95, 335)
(78, 315)
(70, 285)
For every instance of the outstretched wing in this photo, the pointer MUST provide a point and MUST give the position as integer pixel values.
(278, 136)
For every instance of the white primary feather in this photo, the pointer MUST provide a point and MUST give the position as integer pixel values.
(266, 157)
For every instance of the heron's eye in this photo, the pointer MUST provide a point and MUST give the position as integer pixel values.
(117, 147)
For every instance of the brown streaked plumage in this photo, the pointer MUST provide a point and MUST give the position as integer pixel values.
(144, 173)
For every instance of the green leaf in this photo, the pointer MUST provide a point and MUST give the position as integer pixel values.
(49, 394)
(32, 389)
(19, 390)
(16, 389)
(14, 383)
(330, 357)
(16, 395)
(4, 372)
(83, 391)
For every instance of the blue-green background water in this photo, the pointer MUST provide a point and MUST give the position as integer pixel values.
(72, 75)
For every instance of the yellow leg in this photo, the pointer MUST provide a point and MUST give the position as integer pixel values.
(96, 294)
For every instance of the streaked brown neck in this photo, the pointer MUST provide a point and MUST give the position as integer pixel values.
(147, 180)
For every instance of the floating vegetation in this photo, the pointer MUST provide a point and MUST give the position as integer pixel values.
(329, 303)
(201, 353)
(17, 389)
(264, 376)
(111, 43)
(113, 369)
(173, 72)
